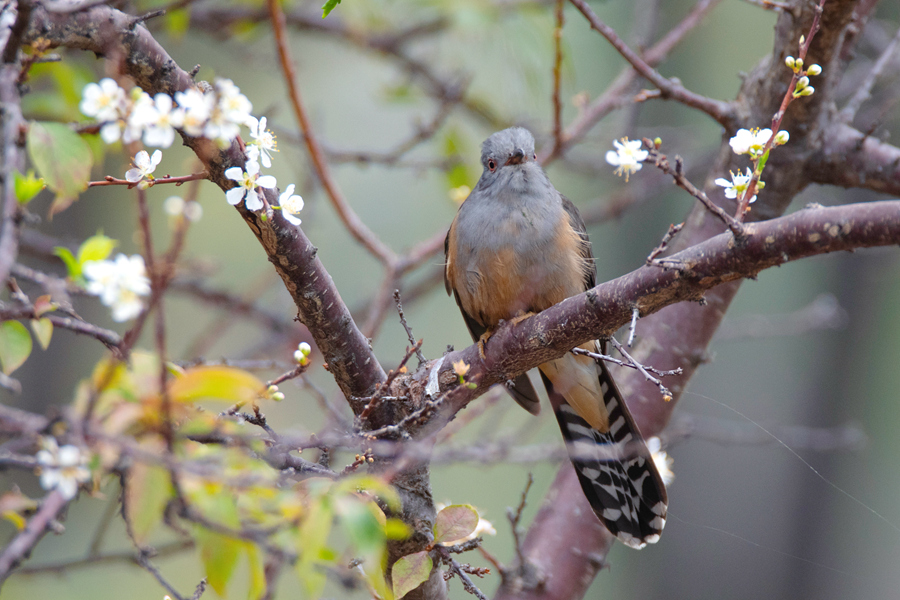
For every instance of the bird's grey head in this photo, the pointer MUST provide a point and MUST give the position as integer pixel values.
(513, 146)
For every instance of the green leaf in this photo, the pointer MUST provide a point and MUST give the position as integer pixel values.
(147, 490)
(218, 552)
(43, 331)
(762, 162)
(374, 485)
(395, 529)
(459, 174)
(257, 571)
(329, 6)
(27, 186)
(410, 572)
(15, 345)
(362, 525)
(220, 555)
(72, 265)
(312, 540)
(62, 158)
(96, 247)
(177, 23)
(225, 384)
(454, 522)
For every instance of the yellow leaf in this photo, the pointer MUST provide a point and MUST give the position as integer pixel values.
(43, 331)
(224, 384)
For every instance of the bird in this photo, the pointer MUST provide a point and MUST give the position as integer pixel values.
(516, 247)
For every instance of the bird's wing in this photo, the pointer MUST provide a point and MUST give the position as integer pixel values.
(577, 223)
(521, 389)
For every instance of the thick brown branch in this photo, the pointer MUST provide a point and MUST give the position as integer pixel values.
(108, 32)
(599, 312)
(849, 158)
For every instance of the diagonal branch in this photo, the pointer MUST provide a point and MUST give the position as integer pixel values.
(721, 111)
(850, 158)
(600, 311)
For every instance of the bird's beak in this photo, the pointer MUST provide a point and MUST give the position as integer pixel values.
(517, 158)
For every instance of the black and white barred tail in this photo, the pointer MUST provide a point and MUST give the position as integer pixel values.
(616, 470)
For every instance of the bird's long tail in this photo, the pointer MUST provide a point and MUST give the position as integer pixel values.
(616, 471)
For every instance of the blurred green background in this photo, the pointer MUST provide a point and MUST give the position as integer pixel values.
(747, 520)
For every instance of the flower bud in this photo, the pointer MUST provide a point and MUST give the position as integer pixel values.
(814, 70)
(808, 91)
(802, 83)
(782, 137)
(789, 62)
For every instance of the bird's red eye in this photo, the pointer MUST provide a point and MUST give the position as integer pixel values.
(492, 165)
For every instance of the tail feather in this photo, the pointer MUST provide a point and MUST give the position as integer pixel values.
(616, 471)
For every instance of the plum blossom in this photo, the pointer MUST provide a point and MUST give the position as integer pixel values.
(158, 120)
(737, 186)
(750, 141)
(62, 469)
(103, 101)
(248, 181)
(119, 284)
(197, 108)
(144, 165)
(662, 460)
(263, 143)
(291, 204)
(627, 157)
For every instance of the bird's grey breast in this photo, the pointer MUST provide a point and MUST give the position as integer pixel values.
(506, 222)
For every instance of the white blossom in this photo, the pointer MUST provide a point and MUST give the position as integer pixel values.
(197, 108)
(263, 143)
(144, 165)
(750, 141)
(159, 119)
(62, 469)
(104, 101)
(627, 157)
(193, 211)
(232, 102)
(291, 204)
(174, 206)
(737, 186)
(662, 460)
(248, 181)
(119, 284)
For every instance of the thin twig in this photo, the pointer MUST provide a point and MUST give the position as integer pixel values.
(672, 232)
(635, 313)
(721, 111)
(666, 394)
(408, 329)
(557, 74)
(662, 163)
(148, 183)
(778, 117)
(351, 220)
(864, 91)
(375, 399)
(515, 518)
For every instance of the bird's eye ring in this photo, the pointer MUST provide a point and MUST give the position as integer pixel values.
(492, 165)
(534, 156)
